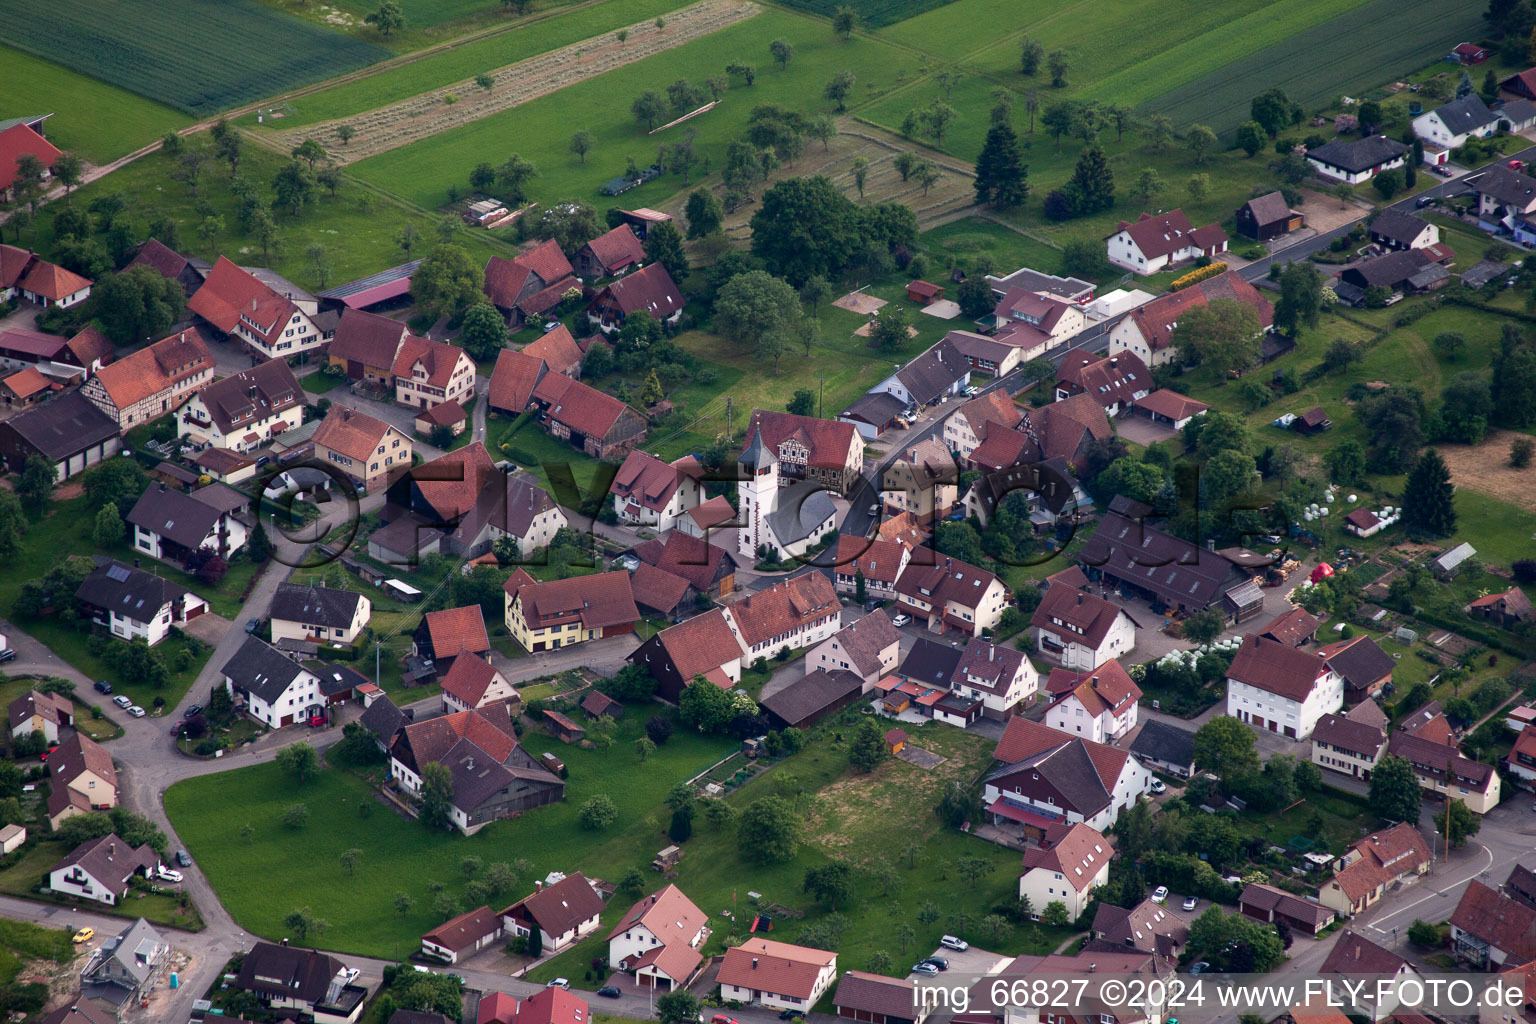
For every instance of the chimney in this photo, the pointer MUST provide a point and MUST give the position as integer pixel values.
(1079, 597)
(469, 764)
(112, 849)
(1114, 361)
(991, 652)
(1094, 682)
(253, 303)
(1092, 967)
(754, 963)
(1085, 362)
(537, 885)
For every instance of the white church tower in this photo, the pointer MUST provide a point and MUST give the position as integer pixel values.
(758, 492)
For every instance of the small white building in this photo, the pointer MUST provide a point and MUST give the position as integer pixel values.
(1000, 677)
(649, 492)
(1274, 686)
(245, 411)
(1357, 160)
(1099, 704)
(100, 869)
(564, 911)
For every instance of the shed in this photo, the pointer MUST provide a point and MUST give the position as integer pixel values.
(11, 838)
(597, 705)
(922, 293)
(564, 729)
(1447, 564)
(895, 740)
(1312, 421)
(667, 859)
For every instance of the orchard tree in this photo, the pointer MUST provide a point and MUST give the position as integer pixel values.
(513, 178)
(844, 20)
(1201, 141)
(1031, 53)
(1226, 747)
(1223, 334)
(782, 52)
(581, 143)
(310, 151)
(436, 795)
(1250, 137)
(389, 18)
(838, 88)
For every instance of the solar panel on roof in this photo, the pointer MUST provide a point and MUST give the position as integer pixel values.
(120, 573)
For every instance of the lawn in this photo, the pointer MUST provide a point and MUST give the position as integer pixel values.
(1008, 248)
(540, 130)
(100, 122)
(1347, 54)
(1344, 816)
(465, 61)
(522, 441)
(100, 729)
(26, 876)
(357, 227)
(21, 942)
(197, 57)
(318, 383)
(1502, 533)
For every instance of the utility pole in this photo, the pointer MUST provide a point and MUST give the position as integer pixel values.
(820, 393)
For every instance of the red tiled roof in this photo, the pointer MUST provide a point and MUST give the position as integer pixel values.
(463, 932)
(437, 358)
(647, 481)
(161, 258)
(1504, 923)
(713, 512)
(658, 589)
(1156, 319)
(451, 483)
(701, 644)
(992, 407)
(598, 601)
(514, 379)
(880, 561)
(1078, 855)
(443, 414)
(778, 967)
(617, 249)
(1172, 405)
(13, 264)
(1112, 379)
(784, 607)
(505, 279)
(1088, 618)
(1292, 627)
(553, 1006)
(354, 434)
(1023, 739)
(53, 281)
(17, 141)
(830, 442)
(1165, 233)
(89, 347)
(1106, 688)
(367, 338)
(650, 290)
(1276, 668)
(230, 294)
(579, 407)
(469, 679)
(26, 383)
(157, 368)
(947, 580)
(558, 350)
(453, 631)
(1381, 858)
(559, 908)
(1354, 954)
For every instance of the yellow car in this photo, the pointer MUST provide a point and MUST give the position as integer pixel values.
(84, 935)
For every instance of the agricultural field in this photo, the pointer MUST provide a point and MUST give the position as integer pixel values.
(424, 116)
(872, 13)
(1348, 54)
(198, 57)
(465, 60)
(540, 130)
(99, 123)
(356, 227)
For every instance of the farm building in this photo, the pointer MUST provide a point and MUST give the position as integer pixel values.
(374, 290)
(1267, 216)
(650, 290)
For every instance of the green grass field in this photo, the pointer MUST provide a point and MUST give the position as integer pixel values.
(872, 13)
(1347, 54)
(541, 130)
(101, 122)
(357, 227)
(191, 55)
(466, 61)
(1008, 249)
(21, 941)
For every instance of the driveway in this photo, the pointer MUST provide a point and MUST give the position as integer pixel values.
(208, 627)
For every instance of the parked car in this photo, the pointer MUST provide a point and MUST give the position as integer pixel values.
(7, 655)
(168, 874)
(253, 625)
(178, 727)
(972, 391)
(84, 935)
(44, 756)
(195, 709)
(102, 686)
(924, 968)
(1199, 967)
(123, 702)
(1424, 201)
(937, 961)
(874, 509)
(721, 1018)
(792, 1015)
(901, 619)
(1160, 894)
(136, 711)
(956, 944)
(264, 460)
(1440, 169)
(608, 992)
(1158, 786)
(564, 983)
(317, 721)
(1191, 903)
(182, 859)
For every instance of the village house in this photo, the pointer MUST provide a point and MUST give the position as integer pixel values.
(1148, 332)
(658, 940)
(429, 373)
(246, 410)
(81, 778)
(1404, 270)
(448, 415)
(928, 379)
(1489, 929)
(1395, 229)
(873, 413)
(1146, 928)
(923, 686)
(136, 605)
(463, 936)
(1268, 216)
(1064, 289)
(472, 684)
(452, 633)
(307, 612)
(1064, 868)
(1045, 779)
(969, 425)
(1359, 159)
(512, 382)
(1352, 743)
(947, 593)
(304, 981)
(982, 354)
(1450, 125)
(531, 283)
(1270, 905)
(558, 350)
(101, 869)
(708, 568)
(589, 420)
(545, 616)
(649, 290)
(271, 687)
(1505, 197)
(1441, 769)
(1099, 703)
(564, 912)
(119, 970)
(367, 450)
(1078, 630)
(1114, 382)
(1507, 609)
(702, 646)
(46, 713)
(1353, 957)
(187, 529)
(1170, 409)
(779, 521)
(68, 431)
(1156, 242)
(1002, 678)
(809, 448)
(189, 272)
(1273, 686)
(611, 254)
(269, 323)
(923, 481)
(50, 285)
(1294, 628)
(661, 593)
(649, 492)
(1373, 865)
(24, 387)
(1034, 322)
(365, 347)
(870, 648)
(800, 612)
(1362, 664)
(87, 350)
(146, 384)
(24, 137)
(877, 999)
(877, 562)
(1166, 748)
(776, 975)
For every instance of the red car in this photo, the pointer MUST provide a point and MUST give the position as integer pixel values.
(1516, 165)
(44, 756)
(317, 722)
(721, 1018)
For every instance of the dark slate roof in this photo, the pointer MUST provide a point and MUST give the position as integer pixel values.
(803, 506)
(1359, 155)
(1169, 566)
(288, 971)
(811, 693)
(878, 408)
(110, 860)
(1388, 271)
(383, 719)
(64, 426)
(1068, 769)
(932, 373)
(261, 669)
(130, 592)
(1160, 741)
(175, 515)
(1268, 209)
(1398, 226)
(319, 606)
(1506, 185)
(1361, 663)
(931, 662)
(1466, 114)
(1484, 272)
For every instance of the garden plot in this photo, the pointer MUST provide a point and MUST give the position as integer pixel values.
(1485, 468)
(420, 117)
